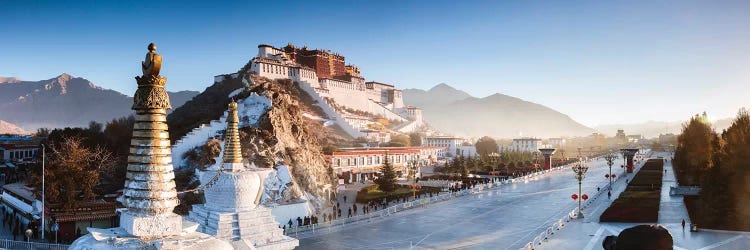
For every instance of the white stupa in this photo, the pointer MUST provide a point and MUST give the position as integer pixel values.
(232, 211)
(147, 222)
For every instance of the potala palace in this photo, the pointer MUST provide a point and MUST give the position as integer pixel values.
(354, 104)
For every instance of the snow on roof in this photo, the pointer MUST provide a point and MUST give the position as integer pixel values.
(20, 189)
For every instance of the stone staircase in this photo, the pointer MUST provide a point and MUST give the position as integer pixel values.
(257, 225)
(198, 136)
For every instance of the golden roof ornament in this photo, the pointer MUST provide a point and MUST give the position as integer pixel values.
(151, 93)
(152, 64)
(232, 147)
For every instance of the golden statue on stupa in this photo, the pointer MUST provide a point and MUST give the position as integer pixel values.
(152, 64)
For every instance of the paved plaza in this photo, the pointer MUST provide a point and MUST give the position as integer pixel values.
(512, 215)
(504, 218)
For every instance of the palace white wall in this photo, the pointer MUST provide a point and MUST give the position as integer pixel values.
(268, 51)
(332, 114)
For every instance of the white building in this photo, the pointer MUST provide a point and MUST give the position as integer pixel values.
(356, 164)
(18, 148)
(468, 151)
(557, 142)
(450, 143)
(525, 145)
(343, 91)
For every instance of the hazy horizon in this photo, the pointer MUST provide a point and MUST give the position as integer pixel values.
(599, 63)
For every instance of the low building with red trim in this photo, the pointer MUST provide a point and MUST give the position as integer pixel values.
(358, 164)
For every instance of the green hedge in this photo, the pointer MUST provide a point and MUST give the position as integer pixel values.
(641, 199)
(372, 193)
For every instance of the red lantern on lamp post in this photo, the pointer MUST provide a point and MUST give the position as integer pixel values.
(606, 175)
(613, 176)
(584, 197)
(414, 189)
(574, 196)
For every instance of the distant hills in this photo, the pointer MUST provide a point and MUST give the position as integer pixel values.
(454, 111)
(65, 101)
(652, 129)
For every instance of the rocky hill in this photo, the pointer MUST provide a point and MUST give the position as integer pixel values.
(9, 128)
(279, 134)
(454, 111)
(65, 101)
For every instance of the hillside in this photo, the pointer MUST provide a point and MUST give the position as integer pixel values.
(276, 129)
(65, 101)
(454, 111)
(9, 128)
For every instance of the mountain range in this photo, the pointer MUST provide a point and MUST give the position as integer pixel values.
(10, 128)
(456, 112)
(65, 101)
(652, 129)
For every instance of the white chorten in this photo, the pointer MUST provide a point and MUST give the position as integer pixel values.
(232, 211)
(150, 195)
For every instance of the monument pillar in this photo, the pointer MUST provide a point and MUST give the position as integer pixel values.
(629, 153)
(547, 152)
(150, 194)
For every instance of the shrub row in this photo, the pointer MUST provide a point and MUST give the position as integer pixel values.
(372, 193)
(640, 200)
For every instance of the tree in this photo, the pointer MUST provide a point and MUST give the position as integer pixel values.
(95, 127)
(387, 180)
(72, 171)
(205, 155)
(464, 171)
(727, 186)
(42, 132)
(485, 146)
(399, 140)
(415, 139)
(695, 150)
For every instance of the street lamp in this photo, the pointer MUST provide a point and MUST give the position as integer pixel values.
(43, 207)
(610, 161)
(580, 169)
(28, 234)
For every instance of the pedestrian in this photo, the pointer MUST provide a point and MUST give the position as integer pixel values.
(665, 171)
(344, 198)
(609, 195)
(339, 212)
(597, 189)
(683, 224)
(350, 212)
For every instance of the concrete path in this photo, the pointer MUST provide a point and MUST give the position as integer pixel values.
(672, 208)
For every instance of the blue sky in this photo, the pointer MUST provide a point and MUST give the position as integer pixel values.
(601, 62)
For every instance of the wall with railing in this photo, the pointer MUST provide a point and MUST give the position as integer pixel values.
(12, 244)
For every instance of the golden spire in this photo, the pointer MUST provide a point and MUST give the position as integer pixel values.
(232, 148)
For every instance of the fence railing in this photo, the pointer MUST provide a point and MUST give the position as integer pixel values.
(420, 202)
(12, 244)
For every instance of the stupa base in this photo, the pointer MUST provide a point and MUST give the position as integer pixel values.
(151, 226)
